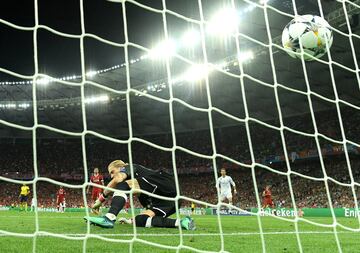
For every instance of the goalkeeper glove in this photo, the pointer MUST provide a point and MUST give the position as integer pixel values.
(123, 220)
(101, 199)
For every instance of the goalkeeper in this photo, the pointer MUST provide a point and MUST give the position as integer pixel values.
(157, 210)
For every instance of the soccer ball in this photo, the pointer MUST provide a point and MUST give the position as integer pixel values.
(312, 31)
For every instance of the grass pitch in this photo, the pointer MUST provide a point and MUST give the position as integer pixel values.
(241, 234)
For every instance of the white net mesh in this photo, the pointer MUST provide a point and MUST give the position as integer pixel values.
(260, 48)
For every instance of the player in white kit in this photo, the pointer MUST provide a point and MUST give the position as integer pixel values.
(62, 206)
(224, 182)
(33, 205)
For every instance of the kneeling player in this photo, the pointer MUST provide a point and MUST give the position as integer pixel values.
(157, 210)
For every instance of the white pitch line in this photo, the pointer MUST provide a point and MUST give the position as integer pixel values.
(201, 234)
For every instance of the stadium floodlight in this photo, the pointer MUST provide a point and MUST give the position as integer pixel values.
(245, 56)
(224, 22)
(143, 57)
(222, 65)
(96, 99)
(164, 49)
(10, 106)
(24, 105)
(249, 8)
(43, 81)
(190, 38)
(196, 73)
(91, 73)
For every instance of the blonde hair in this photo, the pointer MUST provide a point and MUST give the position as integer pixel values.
(117, 164)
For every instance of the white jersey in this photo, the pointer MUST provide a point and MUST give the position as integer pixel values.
(225, 184)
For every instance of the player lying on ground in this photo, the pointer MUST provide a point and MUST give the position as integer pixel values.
(157, 210)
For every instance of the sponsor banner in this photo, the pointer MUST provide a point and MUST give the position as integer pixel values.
(308, 212)
(229, 212)
(282, 212)
(183, 211)
(197, 211)
(52, 210)
(351, 212)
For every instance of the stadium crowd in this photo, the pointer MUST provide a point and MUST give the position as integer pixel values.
(201, 186)
(62, 160)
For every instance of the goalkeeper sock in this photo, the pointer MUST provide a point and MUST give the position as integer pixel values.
(117, 204)
(118, 200)
(162, 222)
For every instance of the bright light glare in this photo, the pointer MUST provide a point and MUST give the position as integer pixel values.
(91, 73)
(10, 105)
(222, 65)
(190, 38)
(43, 81)
(251, 7)
(24, 105)
(14, 106)
(245, 56)
(164, 49)
(196, 73)
(102, 98)
(143, 57)
(224, 22)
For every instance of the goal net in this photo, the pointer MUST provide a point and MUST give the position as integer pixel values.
(216, 76)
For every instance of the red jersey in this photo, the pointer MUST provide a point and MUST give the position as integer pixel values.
(267, 194)
(267, 201)
(98, 179)
(61, 193)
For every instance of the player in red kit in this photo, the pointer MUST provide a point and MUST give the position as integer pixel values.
(60, 199)
(267, 200)
(96, 178)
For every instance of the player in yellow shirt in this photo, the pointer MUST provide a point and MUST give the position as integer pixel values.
(192, 207)
(24, 193)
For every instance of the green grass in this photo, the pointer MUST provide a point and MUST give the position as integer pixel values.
(241, 234)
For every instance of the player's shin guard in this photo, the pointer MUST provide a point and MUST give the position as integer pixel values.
(118, 200)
